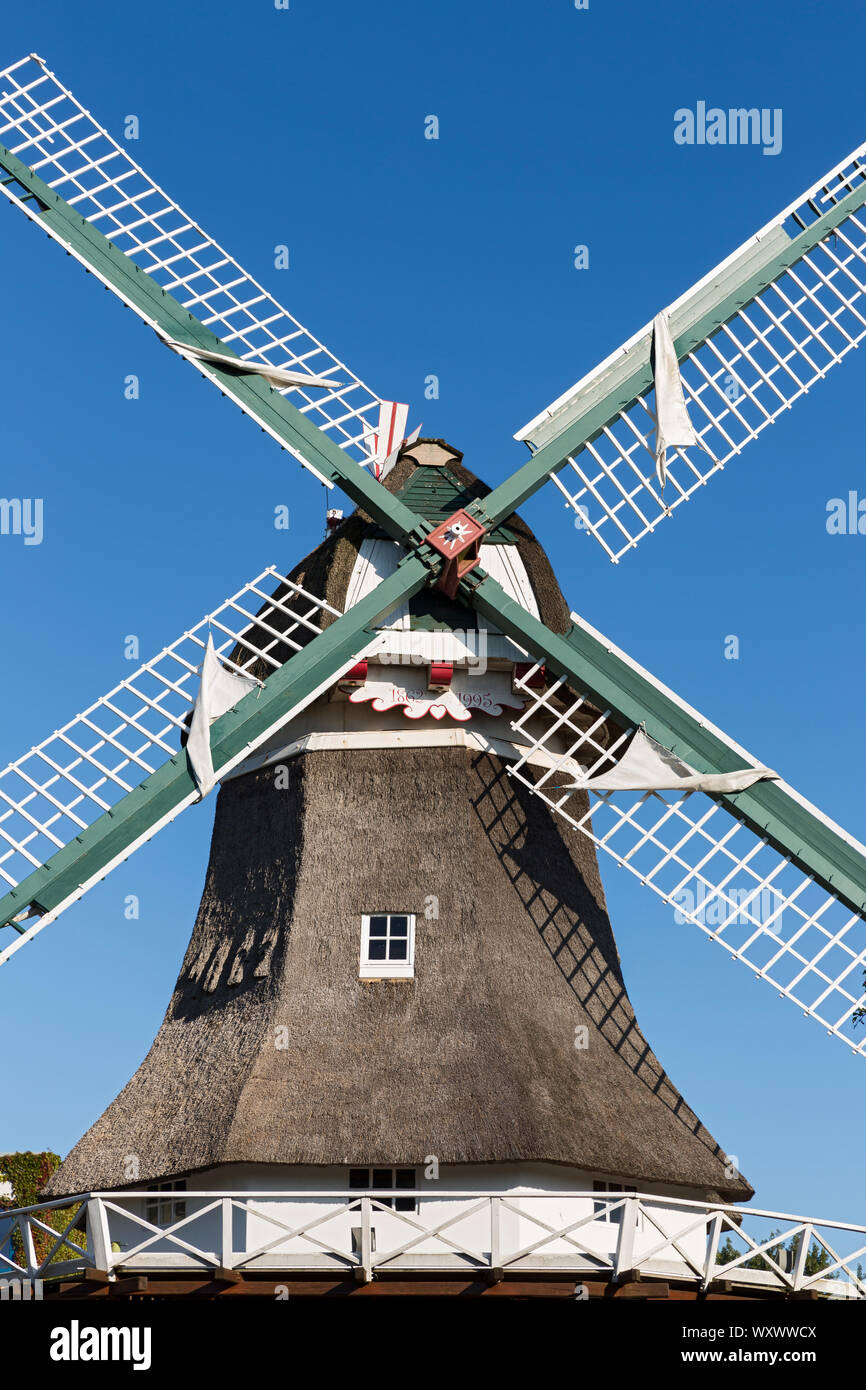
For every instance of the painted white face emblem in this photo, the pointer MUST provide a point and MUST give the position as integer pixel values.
(457, 533)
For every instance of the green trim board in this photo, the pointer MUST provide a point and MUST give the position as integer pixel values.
(616, 389)
(165, 791)
(271, 410)
(770, 809)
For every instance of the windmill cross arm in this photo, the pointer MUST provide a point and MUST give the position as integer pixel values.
(772, 810)
(752, 337)
(168, 789)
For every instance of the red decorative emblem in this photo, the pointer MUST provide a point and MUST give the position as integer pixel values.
(459, 540)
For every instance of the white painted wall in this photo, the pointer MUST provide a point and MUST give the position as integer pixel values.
(531, 1188)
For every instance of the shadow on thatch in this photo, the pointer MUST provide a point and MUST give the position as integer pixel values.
(574, 927)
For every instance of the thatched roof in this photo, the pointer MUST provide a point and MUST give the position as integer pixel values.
(473, 1060)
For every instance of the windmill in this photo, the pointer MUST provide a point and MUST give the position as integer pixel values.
(416, 689)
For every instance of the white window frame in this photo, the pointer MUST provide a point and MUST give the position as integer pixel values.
(387, 969)
(395, 1193)
(601, 1186)
(165, 1211)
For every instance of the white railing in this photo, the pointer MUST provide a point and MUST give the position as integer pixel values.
(587, 1234)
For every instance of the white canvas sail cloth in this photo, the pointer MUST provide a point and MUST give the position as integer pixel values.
(276, 376)
(674, 429)
(219, 691)
(384, 445)
(395, 453)
(648, 766)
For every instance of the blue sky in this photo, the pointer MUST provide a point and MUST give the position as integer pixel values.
(452, 257)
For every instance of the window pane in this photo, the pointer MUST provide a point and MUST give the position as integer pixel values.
(378, 926)
(359, 1177)
(404, 1203)
(399, 950)
(399, 926)
(382, 1177)
(377, 950)
(404, 1177)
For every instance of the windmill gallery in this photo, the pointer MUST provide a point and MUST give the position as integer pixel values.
(425, 1069)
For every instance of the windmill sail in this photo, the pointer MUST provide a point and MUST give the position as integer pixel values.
(83, 800)
(62, 167)
(759, 870)
(752, 337)
(43, 124)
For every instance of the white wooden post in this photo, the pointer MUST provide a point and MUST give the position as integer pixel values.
(98, 1238)
(713, 1236)
(226, 1252)
(799, 1270)
(624, 1257)
(366, 1241)
(29, 1247)
(495, 1232)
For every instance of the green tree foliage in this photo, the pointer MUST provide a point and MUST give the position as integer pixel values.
(28, 1173)
(816, 1259)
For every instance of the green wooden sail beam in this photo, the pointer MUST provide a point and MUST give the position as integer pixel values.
(631, 375)
(271, 411)
(168, 790)
(772, 810)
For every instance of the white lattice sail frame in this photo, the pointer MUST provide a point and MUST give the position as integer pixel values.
(690, 849)
(87, 767)
(736, 382)
(43, 124)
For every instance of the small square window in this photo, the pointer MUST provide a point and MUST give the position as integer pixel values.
(165, 1211)
(601, 1209)
(385, 1180)
(387, 946)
